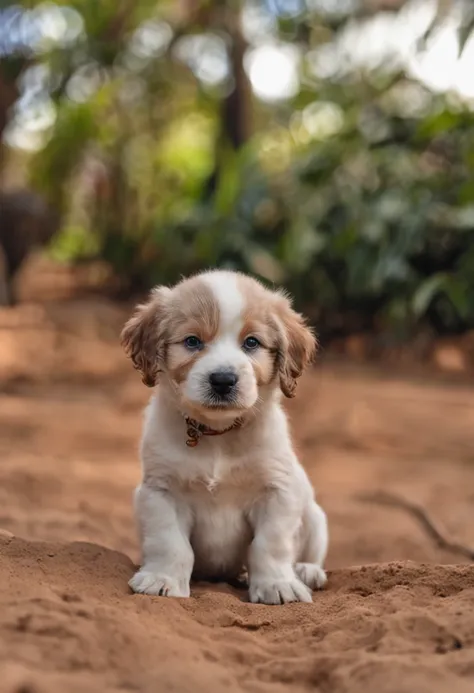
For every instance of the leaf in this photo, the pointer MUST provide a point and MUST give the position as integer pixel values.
(465, 31)
(439, 122)
(426, 292)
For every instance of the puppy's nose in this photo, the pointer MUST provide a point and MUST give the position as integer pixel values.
(222, 382)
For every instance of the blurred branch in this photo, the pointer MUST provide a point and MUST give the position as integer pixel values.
(466, 29)
(235, 107)
(422, 517)
(235, 111)
(119, 23)
(8, 96)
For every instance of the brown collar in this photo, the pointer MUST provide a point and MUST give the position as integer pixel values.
(196, 430)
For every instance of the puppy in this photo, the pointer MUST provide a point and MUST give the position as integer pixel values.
(222, 488)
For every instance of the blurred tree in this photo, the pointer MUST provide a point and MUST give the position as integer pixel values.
(341, 171)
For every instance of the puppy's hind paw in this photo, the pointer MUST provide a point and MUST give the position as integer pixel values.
(311, 574)
(279, 591)
(148, 582)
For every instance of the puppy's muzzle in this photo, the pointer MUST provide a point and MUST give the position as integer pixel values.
(223, 383)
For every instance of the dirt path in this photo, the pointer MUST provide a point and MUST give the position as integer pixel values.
(400, 621)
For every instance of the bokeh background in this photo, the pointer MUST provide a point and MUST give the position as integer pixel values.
(326, 145)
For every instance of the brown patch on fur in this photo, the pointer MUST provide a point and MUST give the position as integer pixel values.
(143, 336)
(263, 360)
(282, 331)
(298, 345)
(158, 329)
(259, 305)
(193, 310)
(257, 322)
(264, 368)
(180, 371)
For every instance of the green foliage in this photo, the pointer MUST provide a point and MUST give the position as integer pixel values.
(358, 195)
(74, 242)
(52, 171)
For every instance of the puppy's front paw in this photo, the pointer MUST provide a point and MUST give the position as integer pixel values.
(278, 591)
(311, 574)
(149, 582)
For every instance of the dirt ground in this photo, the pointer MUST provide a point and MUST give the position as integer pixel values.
(396, 616)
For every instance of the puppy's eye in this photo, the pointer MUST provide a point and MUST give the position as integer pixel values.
(193, 343)
(251, 343)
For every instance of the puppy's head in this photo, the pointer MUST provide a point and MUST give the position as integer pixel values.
(220, 340)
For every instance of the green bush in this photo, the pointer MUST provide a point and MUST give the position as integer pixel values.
(366, 213)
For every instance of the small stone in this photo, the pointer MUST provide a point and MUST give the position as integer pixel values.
(6, 536)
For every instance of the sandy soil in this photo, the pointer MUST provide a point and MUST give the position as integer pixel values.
(396, 617)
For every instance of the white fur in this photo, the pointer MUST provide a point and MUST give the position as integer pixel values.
(235, 500)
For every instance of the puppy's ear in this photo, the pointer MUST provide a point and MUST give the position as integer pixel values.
(142, 337)
(297, 345)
